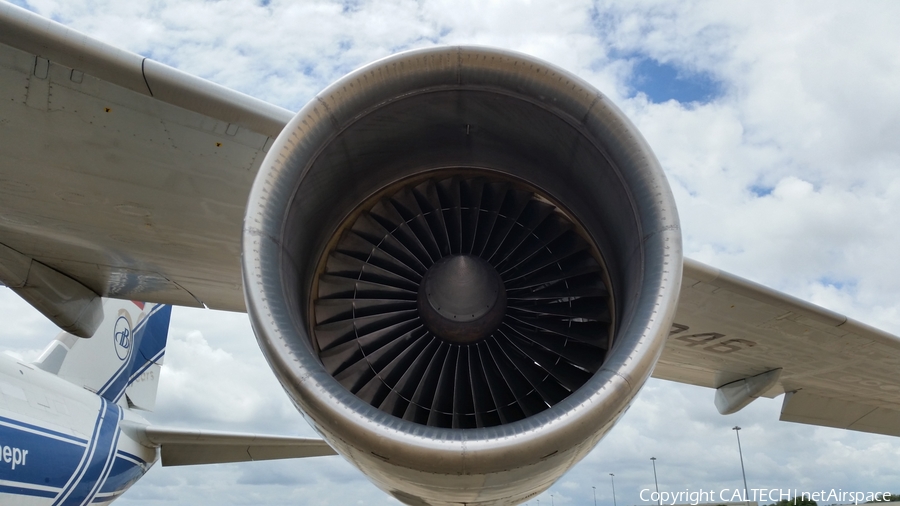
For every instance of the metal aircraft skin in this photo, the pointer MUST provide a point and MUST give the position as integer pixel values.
(461, 263)
(71, 424)
(61, 442)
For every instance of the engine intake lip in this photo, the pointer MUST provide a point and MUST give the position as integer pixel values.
(609, 179)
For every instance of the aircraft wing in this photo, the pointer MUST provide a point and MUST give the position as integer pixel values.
(126, 177)
(747, 340)
(182, 447)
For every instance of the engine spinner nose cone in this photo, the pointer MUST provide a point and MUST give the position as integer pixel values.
(462, 299)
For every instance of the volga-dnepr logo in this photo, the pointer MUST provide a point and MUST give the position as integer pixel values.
(122, 337)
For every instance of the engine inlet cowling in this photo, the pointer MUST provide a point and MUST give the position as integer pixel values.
(462, 264)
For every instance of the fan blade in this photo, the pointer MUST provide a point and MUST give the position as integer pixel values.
(427, 197)
(408, 207)
(389, 255)
(449, 191)
(470, 194)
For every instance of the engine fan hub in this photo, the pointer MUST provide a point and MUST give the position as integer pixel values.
(462, 299)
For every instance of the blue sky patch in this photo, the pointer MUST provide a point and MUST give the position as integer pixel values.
(662, 82)
(837, 283)
(761, 190)
(348, 6)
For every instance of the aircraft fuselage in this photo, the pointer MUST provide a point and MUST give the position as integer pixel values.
(61, 444)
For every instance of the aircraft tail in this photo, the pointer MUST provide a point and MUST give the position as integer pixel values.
(122, 360)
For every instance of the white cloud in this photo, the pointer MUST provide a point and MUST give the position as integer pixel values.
(789, 178)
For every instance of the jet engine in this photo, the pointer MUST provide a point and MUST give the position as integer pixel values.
(462, 264)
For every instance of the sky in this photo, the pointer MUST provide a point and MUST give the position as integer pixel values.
(777, 124)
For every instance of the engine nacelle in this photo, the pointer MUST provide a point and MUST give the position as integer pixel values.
(462, 264)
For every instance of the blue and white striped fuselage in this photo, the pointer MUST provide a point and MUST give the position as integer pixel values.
(61, 444)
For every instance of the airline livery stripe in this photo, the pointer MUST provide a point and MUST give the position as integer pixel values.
(115, 387)
(139, 372)
(132, 461)
(99, 469)
(98, 466)
(124, 473)
(134, 458)
(86, 459)
(106, 498)
(147, 318)
(41, 431)
(107, 466)
(147, 365)
(126, 365)
(23, 490)
(29, 486)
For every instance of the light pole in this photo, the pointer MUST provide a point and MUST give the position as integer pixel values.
(737, 432)
(595, 496)
(612, 479)
(551, 499)
(655, 481)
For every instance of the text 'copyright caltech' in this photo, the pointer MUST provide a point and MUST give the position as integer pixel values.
(761, 495)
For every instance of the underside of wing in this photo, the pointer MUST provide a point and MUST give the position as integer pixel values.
(119, 176)
(747, 341)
